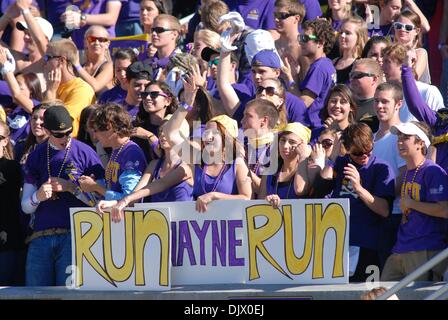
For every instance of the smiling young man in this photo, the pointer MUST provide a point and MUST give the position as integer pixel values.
(424, 203)
(368, 183)
(51, 188)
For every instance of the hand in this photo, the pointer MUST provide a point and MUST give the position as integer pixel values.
(328, 123)
(45, 191)
(12, 11)
(61, 185)
(406, 204)
(3, 57)
(203, 201)
(352, 174)
(104, 205)
(151, 50)
(53, 78)
(72, 18)
(286, 69)
(190, 89)
(411, 58)
(273, 200)
(318, 155)
(139, 132)
(87, 184)
(337, 147)
(199, 79)
(303, 150)
(23, 4)
(117, 211)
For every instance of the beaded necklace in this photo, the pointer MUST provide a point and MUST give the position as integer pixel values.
(403, 189)
(218, 179)
(67, 151)
(263, 154)
(110, 166)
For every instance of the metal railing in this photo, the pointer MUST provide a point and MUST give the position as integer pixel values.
(440, 293)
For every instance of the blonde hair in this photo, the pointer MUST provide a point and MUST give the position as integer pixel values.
(88, 32)
(209, 37)
(361, 34)
(64, 48)
(372, 65)
(8, 152)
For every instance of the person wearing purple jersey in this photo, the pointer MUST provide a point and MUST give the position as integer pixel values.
(257, 14)
(291, 179)
(112, 126)
(368, 183)
(316, 41)
(165, 180)
(51, 188)
(128, 23)
(423, 232)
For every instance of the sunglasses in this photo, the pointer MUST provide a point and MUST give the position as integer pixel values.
(213, 62)
(47, 57)
(2, 137)
(161, 30)
(327, 143)
(356, 75)
(283, 15)
(152, 94)
(361, 153)
(406, 27)
(91, 39)
(270, 91)
(304, 38)
(61, 134)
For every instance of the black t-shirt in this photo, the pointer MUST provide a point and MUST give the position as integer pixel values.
(11, 236)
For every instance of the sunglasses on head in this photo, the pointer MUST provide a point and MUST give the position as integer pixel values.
(152, 94)
(356, 75)
(361, 153)
(48, 57)
(406, 27)
(283, 15)
(327, 143)
(213, 62)
(304, 38)
(61, 134)
(270, 91)
(160, 30)
(92, 39)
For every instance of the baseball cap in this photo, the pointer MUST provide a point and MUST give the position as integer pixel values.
(410, 128)
(256, 41)
(139, 70)
(207, 53)
(266, 58)
(57, 118)
(46, 26)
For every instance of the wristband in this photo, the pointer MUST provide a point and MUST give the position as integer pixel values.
(185, 106)
(78, 67)
(25, 12)
(34, 201)
(291, 83)
(329, 163)
(154, 145)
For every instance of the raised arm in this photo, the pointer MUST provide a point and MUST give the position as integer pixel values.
(414, 8)
(229, 98)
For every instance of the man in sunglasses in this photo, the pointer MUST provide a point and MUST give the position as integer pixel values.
(394, 57)
(316, 41)
(51, 188)
(368, 183)
(62, 84)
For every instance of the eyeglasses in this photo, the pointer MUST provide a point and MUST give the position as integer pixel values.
(213, 62)
(327, 143)
(61, 134)
(47, 57)
(152, 94)
(361, 153)
(270, 91)
(160, 30)
(304, 38)
(356, 75)
(91, 39)
(283, 15)
(407, 27)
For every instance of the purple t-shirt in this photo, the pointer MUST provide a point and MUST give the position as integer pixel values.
(319, 79)
(116, 94)
(285, 189)
(312, 8)
(419, 109)
(376, 176)
(130, 11)
(130, 158)
(180, 192)
(81, 160)
(257, 14)
(224, 183)
(421, 231)
(5, 94)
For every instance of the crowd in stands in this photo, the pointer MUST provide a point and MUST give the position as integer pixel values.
(260, 99)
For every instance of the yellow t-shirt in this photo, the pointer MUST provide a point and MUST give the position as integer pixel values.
(76, 95)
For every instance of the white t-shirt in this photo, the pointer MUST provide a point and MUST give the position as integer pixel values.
(430, 94)
(386, 149)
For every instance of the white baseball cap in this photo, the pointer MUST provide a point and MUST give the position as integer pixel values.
(46, 26)
(258, 40)
(410, 128)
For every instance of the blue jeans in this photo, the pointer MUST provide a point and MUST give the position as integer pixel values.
(128, 29)
(48, 259)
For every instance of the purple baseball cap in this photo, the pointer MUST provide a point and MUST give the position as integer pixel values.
(266, 58)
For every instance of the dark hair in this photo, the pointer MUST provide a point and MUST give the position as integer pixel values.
(358, 135)
(324, 32)
(265, 108)
(83, 135)
(347, 94)
(371, 42)
(142, 116)
(393, 85)
(125, 54)
(33, 83)
(111, 115)
(160, 5)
